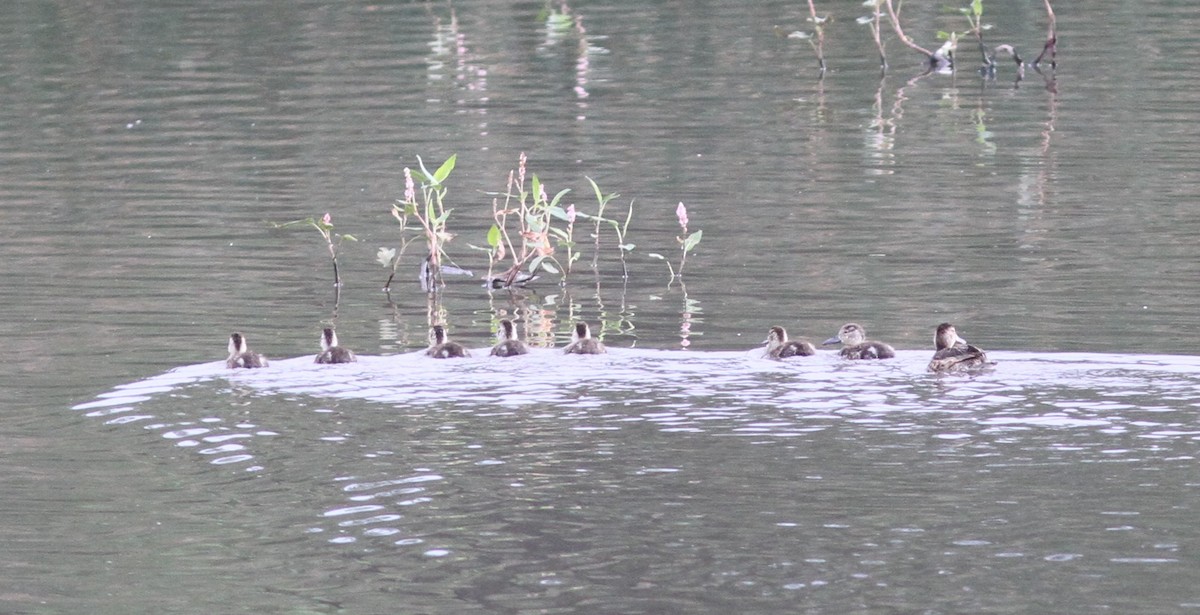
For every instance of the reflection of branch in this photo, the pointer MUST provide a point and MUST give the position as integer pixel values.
(1051, 46)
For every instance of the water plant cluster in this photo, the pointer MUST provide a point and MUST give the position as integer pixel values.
(941, 59)
(533, 236)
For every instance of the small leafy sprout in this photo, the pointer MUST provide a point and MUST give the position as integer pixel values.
(333, 241)
(687, 243)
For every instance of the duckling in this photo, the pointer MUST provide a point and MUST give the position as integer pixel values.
(952, 353)
(778, 346)
(855, 345)
(331, 352)
(240, 354)
(507, 344)
(582, 341)
(442, 348)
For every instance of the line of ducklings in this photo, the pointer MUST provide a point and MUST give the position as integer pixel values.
(951, 352)
(440, 346)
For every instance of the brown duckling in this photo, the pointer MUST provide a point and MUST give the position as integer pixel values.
(331, 352)
(440, 347)
(855, 345)
(778, 346)
(240, 354)
(952, 353)
(507, 344)
(582, 341)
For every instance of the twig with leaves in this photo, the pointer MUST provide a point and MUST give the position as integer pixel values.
(535, 213)
(324, 226)
(687, 243)
(430, 211)
(621, 229)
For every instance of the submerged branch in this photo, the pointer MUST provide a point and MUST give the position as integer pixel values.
(1051, 46)
(933, 58)
(820, 32)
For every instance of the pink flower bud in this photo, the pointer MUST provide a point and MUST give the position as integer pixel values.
(327, 220)
(410, 190)
(681, 213)
(571, 213)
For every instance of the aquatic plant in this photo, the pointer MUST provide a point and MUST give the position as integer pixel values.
(430, 211)
(534, 214)
(975, 28)
(687, 243)
(873, 20)
(816, 38)
(620, 228)
(333, 241)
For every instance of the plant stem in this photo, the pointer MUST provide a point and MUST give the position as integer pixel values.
(903, 37)
(1051, 45)
(820, 46)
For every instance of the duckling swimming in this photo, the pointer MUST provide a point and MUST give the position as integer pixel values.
(855, 345)
(778, 346)
(507, 344)
(331, 352)
(582, 341)
(240, 354)
(953, 353)
(442, 348)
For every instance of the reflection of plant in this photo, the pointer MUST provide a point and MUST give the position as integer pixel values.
(687, 243)
(324, 226)
(430, 211)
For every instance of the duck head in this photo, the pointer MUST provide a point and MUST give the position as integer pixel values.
(851, 334)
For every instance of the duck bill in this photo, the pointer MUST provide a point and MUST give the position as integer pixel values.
(831, 341)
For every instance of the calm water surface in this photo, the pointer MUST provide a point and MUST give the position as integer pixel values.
(144, 150)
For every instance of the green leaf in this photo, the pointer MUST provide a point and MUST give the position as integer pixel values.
(493, 236)
(977, 7)
(691, 241)
(557, 211)
(628, 247)
(349, 237)
(444, 171)
(658, 256)
(535, 188)
(554, 201)
(548, 267)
